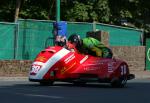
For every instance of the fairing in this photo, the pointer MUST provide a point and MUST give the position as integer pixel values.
(57, 63)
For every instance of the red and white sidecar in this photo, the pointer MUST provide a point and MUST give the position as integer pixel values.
(59, 64)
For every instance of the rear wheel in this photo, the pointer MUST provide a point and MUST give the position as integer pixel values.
(122, 80)
(119, 82)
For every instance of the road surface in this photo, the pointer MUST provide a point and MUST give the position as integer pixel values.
(136, 91)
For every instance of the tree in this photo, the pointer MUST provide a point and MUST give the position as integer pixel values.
(35, 10)
(18, 3)
(78, 13)
(101, 7)
(89, 10)
(105, 11)
(7, 10)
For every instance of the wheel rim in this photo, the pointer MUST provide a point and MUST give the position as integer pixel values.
(124, 81)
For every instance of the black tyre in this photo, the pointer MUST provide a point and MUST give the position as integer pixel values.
(119, 82)
(46, 83)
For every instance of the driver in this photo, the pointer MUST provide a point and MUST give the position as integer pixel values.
(90, 45)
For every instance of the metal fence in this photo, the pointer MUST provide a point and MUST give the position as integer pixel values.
(26, 38)
(122, 36)
(8, 33)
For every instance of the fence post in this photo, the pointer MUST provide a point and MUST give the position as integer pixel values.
(94, 26)
(16, 31)
(57, 10)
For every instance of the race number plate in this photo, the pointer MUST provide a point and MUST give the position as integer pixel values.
(35, 68)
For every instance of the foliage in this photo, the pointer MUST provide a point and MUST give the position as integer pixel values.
(96, 10)
(34, 10)
(78, 13)
(7, 10)
(137, 12)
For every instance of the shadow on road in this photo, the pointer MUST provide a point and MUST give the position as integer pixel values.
(135, 84)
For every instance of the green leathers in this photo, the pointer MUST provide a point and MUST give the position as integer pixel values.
(90, 46)
(95, 46)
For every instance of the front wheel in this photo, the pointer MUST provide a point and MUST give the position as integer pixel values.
(46, 83)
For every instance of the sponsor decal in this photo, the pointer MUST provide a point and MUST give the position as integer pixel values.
(110, 67)
(41, 58)
(91, 68)
(71, 57)
(148, 54)
(64, 69)
(84, 59)
(123, 69)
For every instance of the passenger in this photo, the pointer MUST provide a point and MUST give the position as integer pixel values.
(91, 46)
(66, 44)
(60, 41)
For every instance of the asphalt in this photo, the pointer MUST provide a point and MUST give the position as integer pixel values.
(138, 75)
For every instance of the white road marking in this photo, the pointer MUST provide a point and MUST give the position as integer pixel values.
(42, 96)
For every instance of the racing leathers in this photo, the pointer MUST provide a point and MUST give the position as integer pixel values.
(95, 46)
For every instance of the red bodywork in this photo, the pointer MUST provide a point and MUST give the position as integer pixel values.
(57, 63)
